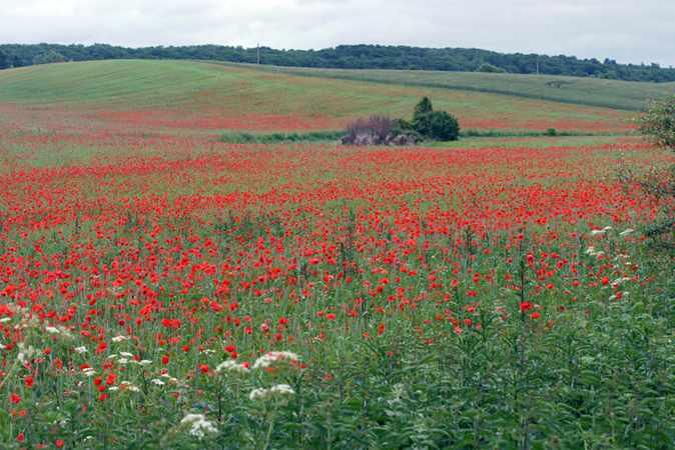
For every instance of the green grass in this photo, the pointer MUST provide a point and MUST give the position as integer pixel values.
(320, 99)
(328, 136)
(275, 138)
(626, 95)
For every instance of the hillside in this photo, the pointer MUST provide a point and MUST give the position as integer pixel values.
(583, 91)
(197, 95)
(349, 57)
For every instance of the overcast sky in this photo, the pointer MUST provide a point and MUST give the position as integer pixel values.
(626, 30)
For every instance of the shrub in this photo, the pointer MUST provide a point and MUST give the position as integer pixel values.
(551, 132)
(426, 124)
(436, 125)
(374, 130)
(658, 122)
(444, 126)
(423, 107)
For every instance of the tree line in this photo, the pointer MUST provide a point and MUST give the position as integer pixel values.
(348, 57)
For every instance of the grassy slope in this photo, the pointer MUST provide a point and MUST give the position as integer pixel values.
(614, 94)
(188, 89)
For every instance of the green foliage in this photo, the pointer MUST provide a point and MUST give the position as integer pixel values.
(589, 91)
(4, 60)
(658, 122)
(422, 108)
(435, 125)
(49, 57)
(551, 132)
(405, 127)
(274, 138)
(489, 68)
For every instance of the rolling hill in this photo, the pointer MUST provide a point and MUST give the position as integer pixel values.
(213, 96)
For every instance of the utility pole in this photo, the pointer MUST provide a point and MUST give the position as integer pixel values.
(258, 53)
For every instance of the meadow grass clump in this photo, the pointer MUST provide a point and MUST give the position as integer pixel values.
(280, 137)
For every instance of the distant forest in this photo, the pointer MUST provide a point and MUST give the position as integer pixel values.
(348, 57)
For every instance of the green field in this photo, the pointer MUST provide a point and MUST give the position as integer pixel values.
(627, 95)
(193, 95)
(190, 260)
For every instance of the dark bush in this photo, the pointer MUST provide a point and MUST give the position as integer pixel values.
(444, 126)
(658, 123)
(435, 125)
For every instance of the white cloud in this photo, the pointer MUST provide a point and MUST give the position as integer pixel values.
(626, 30)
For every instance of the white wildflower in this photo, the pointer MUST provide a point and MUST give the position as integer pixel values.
(282, 389)
(123, 361)
(169, 378)
(81, 349)
(52, 330)
(127, 354)
(129, 386)
(5, 319)
(144, 362)
(120, 338)
(114, 388)
(269, 358)
(599, 232)
(25, 353)
(157, 382)
(619, 281)
(199, 426)
(88, 372)
(231, 365)
(262, 393)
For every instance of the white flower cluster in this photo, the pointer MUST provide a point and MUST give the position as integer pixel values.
(231, 366)
(25, 352)
(593, 252)
(263, 394)
(166, 378)
(58, 330)
(270, 358)
(199, 426)
(125, 358)
(125, 385)
(619, 281)
(600, 232)
(120, 338)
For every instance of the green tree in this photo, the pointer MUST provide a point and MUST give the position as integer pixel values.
(49, 57)
(4, 60)
(436, 125)
(658, 123)
(443, 126)
(423, 107)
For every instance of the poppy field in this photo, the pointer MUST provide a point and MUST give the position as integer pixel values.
(162, 289)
